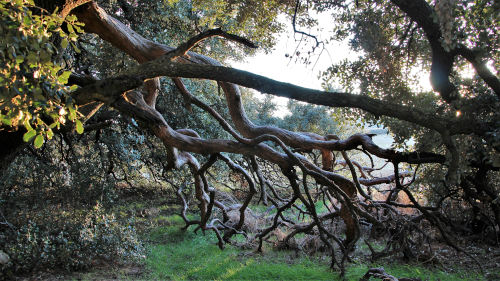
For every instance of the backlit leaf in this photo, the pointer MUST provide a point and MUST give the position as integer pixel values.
(38, 141)
(29, 135)
(63, 78)
(64, 43)
(79, 126)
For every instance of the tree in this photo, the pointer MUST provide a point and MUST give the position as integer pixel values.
(444, 41)
(134, 92)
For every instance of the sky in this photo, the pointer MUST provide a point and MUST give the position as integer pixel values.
(276, 65)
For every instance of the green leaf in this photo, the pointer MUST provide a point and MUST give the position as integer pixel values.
(50, 134)
(27, 124)
(6, 121)
(77, 28)
(72, 113)
(32, 58)
(27, 20)
(64, 43)
(79, 126)
(71, 18)
(63, 78)
(29, 135)
(38, 141)
(45, 56)
(75, 48)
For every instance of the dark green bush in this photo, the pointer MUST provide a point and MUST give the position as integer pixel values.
(77, 243)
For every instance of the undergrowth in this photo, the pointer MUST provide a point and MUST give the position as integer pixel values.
(176, 254)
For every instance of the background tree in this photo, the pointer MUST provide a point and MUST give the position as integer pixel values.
(445, 43)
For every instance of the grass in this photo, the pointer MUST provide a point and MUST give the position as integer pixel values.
(183, 255)
(174, 254)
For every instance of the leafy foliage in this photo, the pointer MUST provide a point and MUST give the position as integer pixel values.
(73, 241)
(59, 216)
(395, 57)
(301, 117)
(255, 20)
(33, 94)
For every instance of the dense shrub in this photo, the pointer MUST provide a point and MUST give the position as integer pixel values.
(77, 243)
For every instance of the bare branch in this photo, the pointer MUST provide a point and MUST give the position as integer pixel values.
(294, 25)
(185, 47)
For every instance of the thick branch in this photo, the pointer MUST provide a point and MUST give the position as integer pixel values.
(64, 6)
(442, 60)
(481, 68)
(332, 99)
(142, 49)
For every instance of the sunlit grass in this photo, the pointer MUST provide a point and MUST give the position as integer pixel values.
(183, 255)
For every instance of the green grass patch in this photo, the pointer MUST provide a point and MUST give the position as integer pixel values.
(184, 255)
(177, 254)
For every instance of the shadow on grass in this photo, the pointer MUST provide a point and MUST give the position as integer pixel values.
(177, 254)
(184, 255)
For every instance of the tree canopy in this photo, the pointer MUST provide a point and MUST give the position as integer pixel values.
(57, 76)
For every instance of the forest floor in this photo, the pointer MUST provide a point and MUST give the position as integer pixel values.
(176, 254)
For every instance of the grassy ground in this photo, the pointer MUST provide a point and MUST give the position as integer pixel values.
(175, 254)
(183, 255)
